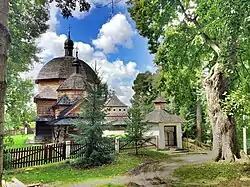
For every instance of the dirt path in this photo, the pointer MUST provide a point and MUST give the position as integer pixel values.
(154, 175)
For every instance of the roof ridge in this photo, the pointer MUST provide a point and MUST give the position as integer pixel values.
(115, 101)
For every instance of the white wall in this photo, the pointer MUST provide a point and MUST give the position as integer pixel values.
(118, 132)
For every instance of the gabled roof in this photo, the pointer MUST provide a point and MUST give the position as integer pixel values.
(115, 102)
(161, 116)
(47, 93)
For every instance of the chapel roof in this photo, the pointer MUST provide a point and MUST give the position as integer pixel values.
(61, 68)
(115, 102)
(161, 116)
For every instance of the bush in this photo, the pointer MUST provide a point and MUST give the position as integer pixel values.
(7, 159)
(104, 154)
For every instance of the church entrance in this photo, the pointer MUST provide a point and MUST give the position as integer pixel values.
(170, 136)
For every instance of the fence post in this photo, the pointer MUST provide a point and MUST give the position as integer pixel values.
(157, 141)
(117, 145)
(45, 154)
(25, 130)
(67, 149)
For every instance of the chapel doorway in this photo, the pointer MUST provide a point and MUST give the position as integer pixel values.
(170, 136)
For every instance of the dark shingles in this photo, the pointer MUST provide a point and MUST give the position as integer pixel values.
(61, 68)
(115, 102)
(74, 82)
(161, 116)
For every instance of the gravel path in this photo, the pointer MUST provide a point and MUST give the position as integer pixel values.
(154, 178)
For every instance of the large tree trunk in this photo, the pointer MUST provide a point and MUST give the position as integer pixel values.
(4, 43)
(223, 126)
(198, 120)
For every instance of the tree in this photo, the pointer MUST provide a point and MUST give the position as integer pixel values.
(214, 33)
(4, 45)
(145, 91)
(136, 127)
(97, 149)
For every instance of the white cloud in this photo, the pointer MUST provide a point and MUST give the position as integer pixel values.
(53, 22)
(117, 31)
(51, 45)
(118, 74)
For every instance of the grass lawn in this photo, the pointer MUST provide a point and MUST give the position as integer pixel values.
(19, 141)
(62, 172)
(213, 174)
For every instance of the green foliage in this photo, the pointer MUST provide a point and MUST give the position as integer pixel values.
(188, 38)
(67, 6)
(98, 149)
(7, 159)
(145, 90)
(19, 106)
(26, 22)
(136, 127)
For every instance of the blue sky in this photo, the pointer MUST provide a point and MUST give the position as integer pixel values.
(110, 40)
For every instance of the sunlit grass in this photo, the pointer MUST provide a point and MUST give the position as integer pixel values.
(19, 141)
(61, 173)
(212, 174)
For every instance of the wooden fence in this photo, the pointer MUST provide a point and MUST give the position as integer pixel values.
(38, 155)
(145, 142)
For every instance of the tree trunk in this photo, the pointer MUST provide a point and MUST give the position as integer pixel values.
(136, 148)
(223, 126)
(4, 43)
(198, 120)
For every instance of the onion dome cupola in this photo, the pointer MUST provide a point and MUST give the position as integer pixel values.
(61, 68)
(68, 45)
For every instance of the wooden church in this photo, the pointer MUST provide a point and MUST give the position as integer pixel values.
(61, 86)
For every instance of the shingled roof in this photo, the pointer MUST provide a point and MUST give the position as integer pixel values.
(115, 102)
(161, 116)
(47, 93)
(74, 82)
(61, 68)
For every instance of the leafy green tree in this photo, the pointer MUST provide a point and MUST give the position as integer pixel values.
(26, 22)
(212, 35)
(136, 126)
(145, 91)
(98, 150)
